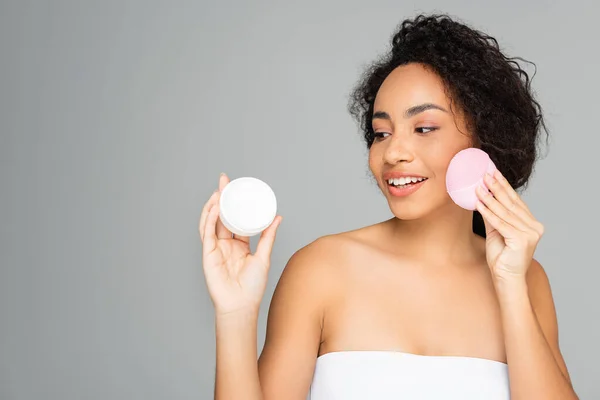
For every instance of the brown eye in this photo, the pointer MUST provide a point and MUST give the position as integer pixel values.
(380, 135)
(426, 129)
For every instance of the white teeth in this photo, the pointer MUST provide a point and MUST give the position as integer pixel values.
(404, 180)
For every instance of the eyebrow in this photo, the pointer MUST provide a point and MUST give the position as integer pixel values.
(411, 112)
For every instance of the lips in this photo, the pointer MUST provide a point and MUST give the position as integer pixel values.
(397, 174)
(403, 184)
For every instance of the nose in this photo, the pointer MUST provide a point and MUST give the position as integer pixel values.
(398, 150)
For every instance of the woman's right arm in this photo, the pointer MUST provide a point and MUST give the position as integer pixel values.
(236, 281)
(286, 365)
(294, 326)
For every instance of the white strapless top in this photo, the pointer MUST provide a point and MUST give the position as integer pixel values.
(387, 375)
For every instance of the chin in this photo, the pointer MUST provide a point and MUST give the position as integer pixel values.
(408, 211)
(418, 205)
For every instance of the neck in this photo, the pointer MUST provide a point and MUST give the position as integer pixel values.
(445, 236)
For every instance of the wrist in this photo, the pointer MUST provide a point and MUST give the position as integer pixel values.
(509, 280)
(238, 317)
(511, 289)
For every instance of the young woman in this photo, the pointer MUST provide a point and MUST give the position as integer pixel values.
(435, 303)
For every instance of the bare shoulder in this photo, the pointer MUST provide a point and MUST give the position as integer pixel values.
(542, 302)
(311, 276)
(320, 260)
(307, 284)
(313, 272)
(538, 284)
(329, 252)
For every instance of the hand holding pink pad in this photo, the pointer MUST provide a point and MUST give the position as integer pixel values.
(465, 172)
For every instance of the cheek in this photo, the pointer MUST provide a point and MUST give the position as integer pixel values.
(375, 165)
(439, 157)
(374, 160)
(436, 160)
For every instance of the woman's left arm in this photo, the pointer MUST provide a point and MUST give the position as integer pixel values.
(536, 366)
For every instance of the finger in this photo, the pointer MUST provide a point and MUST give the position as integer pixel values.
(489, 229)
(267, 238)
(507, 196)
(523, 210)
(511, 191)
(499, 209)
(223, 181)
(204, 214)
(210, 237)
(504, 228)
(222, 231)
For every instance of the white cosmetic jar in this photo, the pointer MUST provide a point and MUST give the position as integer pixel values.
(247, 206)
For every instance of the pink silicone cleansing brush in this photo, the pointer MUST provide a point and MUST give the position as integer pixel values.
(465, 172)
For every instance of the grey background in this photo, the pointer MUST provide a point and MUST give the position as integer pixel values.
(116, 118)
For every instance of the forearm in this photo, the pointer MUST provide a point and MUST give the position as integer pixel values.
(533, 370)
(237, 368)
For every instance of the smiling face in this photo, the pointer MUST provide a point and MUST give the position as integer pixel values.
(417, 133)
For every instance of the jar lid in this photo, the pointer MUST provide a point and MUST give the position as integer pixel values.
(247, 206)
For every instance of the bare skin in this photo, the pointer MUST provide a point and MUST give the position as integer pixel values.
(396, 285)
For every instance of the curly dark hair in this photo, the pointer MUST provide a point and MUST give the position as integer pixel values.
(492, 90)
